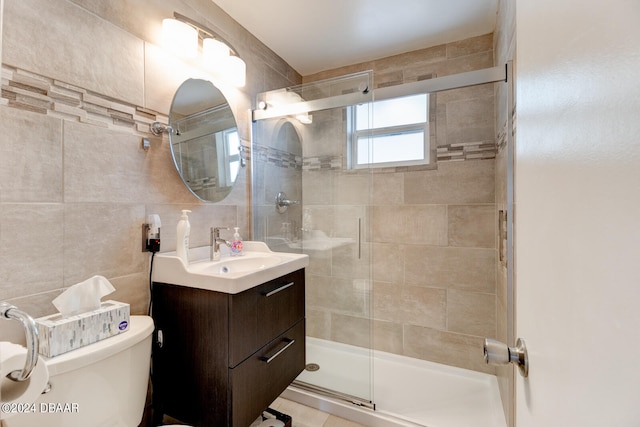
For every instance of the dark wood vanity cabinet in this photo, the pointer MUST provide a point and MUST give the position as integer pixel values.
(220, 359)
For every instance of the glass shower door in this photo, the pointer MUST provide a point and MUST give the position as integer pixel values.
(305, 156)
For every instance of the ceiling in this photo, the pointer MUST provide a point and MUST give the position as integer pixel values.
(319, 35)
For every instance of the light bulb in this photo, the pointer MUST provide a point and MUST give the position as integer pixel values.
(179, 38)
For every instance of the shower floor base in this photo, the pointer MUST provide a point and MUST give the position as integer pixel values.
(405, 391)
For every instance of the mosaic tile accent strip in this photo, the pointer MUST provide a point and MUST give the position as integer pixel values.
(277, 158)
(32, 92)
(322, 163)
(467, 151)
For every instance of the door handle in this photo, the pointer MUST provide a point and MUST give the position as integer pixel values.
(498, 353)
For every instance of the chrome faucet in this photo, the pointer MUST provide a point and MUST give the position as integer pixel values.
(215, 241)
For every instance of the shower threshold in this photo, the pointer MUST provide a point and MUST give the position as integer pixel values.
(334, 394)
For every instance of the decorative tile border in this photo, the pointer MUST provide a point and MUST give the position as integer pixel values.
(277, 158)
(467, 151)
(32, 92)
(322, 163)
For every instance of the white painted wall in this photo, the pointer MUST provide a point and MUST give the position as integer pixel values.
(578, 211)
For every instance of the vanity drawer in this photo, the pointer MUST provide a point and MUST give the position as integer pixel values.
(260, 314)
(260, 379)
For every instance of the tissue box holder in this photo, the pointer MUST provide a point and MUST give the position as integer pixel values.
(59, 334)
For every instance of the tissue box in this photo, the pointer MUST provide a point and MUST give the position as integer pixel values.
(59, 334)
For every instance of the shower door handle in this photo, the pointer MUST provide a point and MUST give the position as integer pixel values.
(498, 353)
(359, 238)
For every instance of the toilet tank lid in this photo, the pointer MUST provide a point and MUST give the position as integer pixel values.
(140, 327)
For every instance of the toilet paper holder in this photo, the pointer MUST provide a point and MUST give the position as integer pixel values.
(9, 311)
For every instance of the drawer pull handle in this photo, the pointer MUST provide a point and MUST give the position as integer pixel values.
(279, 352)
(281, 288)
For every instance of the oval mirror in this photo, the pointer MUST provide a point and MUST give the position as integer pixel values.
(204, 140)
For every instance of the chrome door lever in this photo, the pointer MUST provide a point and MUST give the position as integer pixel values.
(498, 353)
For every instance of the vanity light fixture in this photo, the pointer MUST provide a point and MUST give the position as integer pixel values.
(180, 38)
(218, 56)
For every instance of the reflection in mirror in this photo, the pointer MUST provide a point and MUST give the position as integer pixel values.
(204, 140)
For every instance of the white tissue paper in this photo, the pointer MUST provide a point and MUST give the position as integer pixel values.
(83, 319)
(83, 297)
(24, 393)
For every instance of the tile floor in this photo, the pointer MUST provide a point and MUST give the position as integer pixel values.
(301, 415)
(304, 416)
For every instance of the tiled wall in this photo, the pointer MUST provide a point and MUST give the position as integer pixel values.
(79, 89)
(432, 241)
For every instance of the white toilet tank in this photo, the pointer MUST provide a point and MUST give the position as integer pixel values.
(100, 385)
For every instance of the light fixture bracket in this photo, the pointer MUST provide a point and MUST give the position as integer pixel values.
(204, 32)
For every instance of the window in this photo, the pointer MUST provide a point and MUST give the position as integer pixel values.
(391, 132)
(228, 146)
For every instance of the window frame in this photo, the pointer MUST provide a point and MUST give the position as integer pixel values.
(354, 135)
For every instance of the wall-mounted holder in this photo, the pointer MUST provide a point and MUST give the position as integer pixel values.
(151, 234)
(497, 353)
(158, 128)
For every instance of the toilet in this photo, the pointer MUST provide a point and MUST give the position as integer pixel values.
(101, 385)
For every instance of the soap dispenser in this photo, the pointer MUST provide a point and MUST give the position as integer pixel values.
(182, 237)
(236, 243)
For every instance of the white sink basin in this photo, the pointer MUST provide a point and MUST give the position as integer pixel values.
(231, 275)
(234, 266)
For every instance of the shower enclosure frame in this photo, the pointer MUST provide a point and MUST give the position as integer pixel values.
(497, 74)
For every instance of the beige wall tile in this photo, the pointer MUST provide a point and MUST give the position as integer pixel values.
(102, 239)
(107, 165)
(36, 305)
(470, 46)
(452, 183)
(319, 262)
(347, 264)
(351, 330)
(388, 188)
(411, 224)
(472, 226)
(30, 257)
(31, 161)
(470, 120)
(317, 188)
(414, 305)
(326, 134)
(471, 269)
(338, 295)
(346, 219)
(161, 81)
(119, 53)
(416, 59)
(464, 63)
(318, 323)
(135, 289)
(388, 262)
(471, 313)
(387, 336)
(352, 188)
(449, 348)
